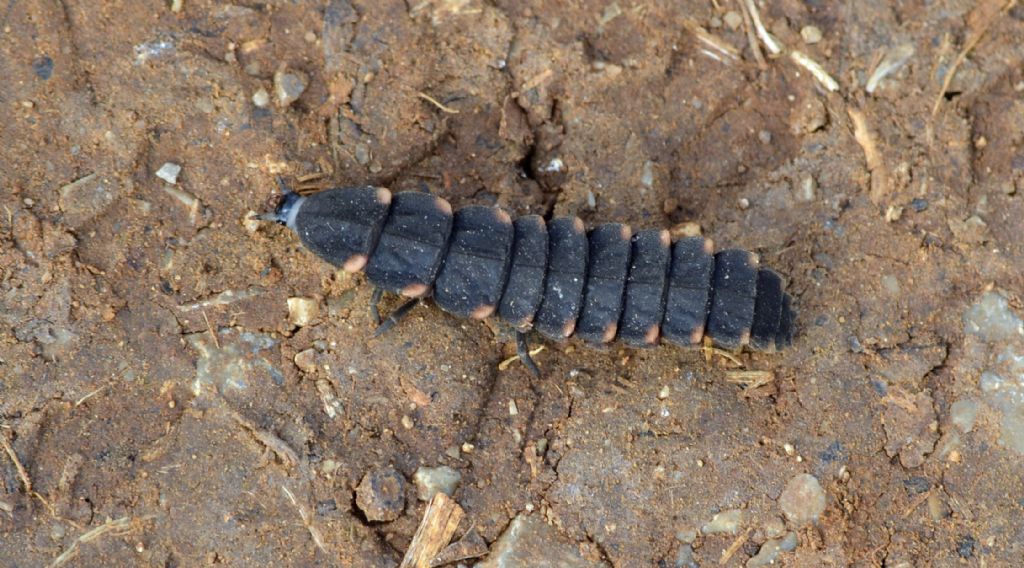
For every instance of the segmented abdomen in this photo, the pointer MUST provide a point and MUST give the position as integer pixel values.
(553, 277)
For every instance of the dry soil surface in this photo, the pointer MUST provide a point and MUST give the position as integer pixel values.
(160, 405)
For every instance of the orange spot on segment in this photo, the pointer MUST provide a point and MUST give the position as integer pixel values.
(609, 333)
(697, 335)
(653, 332)
(355, 263)
(627, 232)
(503, 217)
(482, 312)
(745, 337)
(709, 246)
(383, 196)
(415, 290)
(753, 260)
(568, 328)
(444, 207)
(578, 225)
(666, 238)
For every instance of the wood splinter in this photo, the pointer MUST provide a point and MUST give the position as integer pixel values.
(439, 523)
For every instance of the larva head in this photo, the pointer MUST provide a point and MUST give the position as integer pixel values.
(287, 209)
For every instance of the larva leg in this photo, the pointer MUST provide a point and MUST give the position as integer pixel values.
(378, 293)
(523, 350)
(396, 316)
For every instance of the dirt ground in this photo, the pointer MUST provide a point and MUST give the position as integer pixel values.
(161, 406)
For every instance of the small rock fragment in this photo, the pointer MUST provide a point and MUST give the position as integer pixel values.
(809, 116)
(381, 494)
(83, 199)
(991, 319)
(684, 557)
(289, 86)
(963, 414)
(733, 20)
(807, 189)
(471, 545)
(811, 34)
(169, 172)
(433, 480)
(306, 360)
(727, 522)
(261, 98)
(769, 551)
(302, 311)
(803, 500)
(911, 427)
(529, 541)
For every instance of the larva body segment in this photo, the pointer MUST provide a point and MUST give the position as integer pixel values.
(608, 253)
(411, 246)
(474, 271)
(554, 277)
(527, 274)
(567, 273)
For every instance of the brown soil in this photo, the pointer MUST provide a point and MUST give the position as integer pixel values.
(153, 387)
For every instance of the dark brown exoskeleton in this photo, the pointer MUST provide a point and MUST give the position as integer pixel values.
(553, 277)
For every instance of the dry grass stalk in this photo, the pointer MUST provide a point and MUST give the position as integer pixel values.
(876, 164)
(117, 527)
(978, 22)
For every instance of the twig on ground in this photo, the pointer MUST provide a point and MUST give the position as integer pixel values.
(984, 14)
(876, 164)
(119, 527)
(307, 520)
(22, 473)
(434, 533)
(728, 552)
(437, 103)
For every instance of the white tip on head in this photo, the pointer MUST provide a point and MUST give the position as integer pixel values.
(289, 214)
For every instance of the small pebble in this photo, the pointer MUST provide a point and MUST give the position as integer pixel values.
(381, 494)
(765, 137)
(407, 422)
(774, 527)
(727, 522)
(963, 413)
(289, 86)
(251, 222)
(43, 67)
(768, 554)
(306, 360)
(733, 20)
(684, 557)
(803, 500)
(169, 172)
(261, 98)
(664, 393)
(918, 204)
(811, 34)
(744, 203)
(362, 154)
(965, 546)
(302, 311)
(808, 188)
(433, 480)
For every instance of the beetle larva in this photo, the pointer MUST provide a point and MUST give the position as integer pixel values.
(553, 277)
